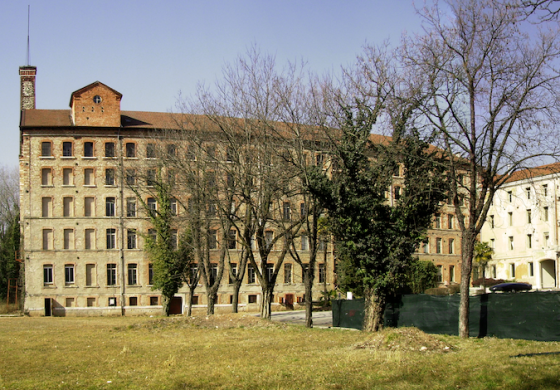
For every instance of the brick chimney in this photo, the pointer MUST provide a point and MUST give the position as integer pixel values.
(27, 87)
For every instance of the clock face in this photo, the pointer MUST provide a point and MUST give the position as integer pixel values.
(27, 88)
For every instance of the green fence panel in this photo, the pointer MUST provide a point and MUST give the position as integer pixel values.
(530, 316)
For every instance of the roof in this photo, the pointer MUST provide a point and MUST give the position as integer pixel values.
(531, 173)
(129, 119)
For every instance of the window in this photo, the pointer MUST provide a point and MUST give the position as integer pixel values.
(287, 273)
(545, 212)
(130, 177)
(111, 275)
(451, 246)
(174, 240)
(150, 151)
(69, 273)
(322, 245)
(68, 238)
(212, 239)
(492, 243)
(132, 274)
(67, 176)
(110, 206)
(528, 216)
(529, 241)
(304, 243)
(191, 154)
(47, 239)
(130, 149)
(211, 209)
(304, 268)
(270, 271)
(151, 274)
(67, 149)
(109, 177)
(171, 150)
(461, 179)
(131, 238)
(510, 238)
(90, 302)
(492, 225)
(512, 270)
(90, 239)
(131, 207)
(46, 177)
(528, 192)
(450, 221)
(437, 221)
(67, 206)
(233, 270)
(545, 189)
(250, 274)
(89, 206)
(268, 238)
(438, 245)
(152, 205)
(531, 269)
(88, 149)
(510, 218)
(173, 206)
(510, 196)
(229, 154)
(90, 275)
(397, 193)
(213, 272)
(46, 149)
(111, 236)
(150, 177)
(89, 178)
(46, 207)
(252, 298)
(69, 302)
(319, 159)
(440, 274)
(230, 181)
(452, 273)
(426, 247)
(493, 269)
(109, 149)
(133, 301)
(322, 273)
(152, 235)
(302, 209)
(112, 301)
(232, 239)
(154, 301)
(47, 274)
(286, 212)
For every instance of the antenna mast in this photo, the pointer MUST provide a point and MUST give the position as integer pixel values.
(28, 11)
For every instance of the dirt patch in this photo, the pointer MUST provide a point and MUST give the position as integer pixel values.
(405, 339)
(217, 321)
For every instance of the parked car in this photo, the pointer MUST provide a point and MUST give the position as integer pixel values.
(509, 287)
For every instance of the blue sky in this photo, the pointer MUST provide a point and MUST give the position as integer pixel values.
(150, 51)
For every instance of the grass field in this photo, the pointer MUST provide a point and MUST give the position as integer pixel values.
(240, 351)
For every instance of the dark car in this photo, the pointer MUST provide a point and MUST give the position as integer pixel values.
(509, 287)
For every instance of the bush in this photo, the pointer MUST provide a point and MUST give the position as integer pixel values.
(488, 282)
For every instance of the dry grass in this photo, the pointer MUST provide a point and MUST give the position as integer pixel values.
(240, 351)
(7, 309)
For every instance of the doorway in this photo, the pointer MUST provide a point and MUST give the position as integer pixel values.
(176, 305)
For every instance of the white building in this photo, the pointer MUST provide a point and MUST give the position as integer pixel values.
(522, 227)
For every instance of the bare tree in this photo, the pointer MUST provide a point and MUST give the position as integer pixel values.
(9, 228)
(490, 99)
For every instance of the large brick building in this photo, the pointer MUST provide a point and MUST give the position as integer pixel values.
(82, 232)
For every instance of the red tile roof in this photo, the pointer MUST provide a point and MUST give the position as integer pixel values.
(530, 173)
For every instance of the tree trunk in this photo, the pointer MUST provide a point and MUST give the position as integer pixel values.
(266, 305)
(374, 311)
(308, 301)
(165, 302)
(189, 306)
(466, 268)
(211, 297)
(235, 299)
